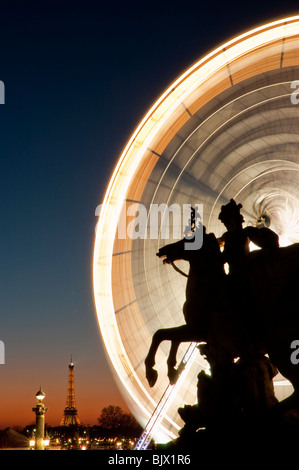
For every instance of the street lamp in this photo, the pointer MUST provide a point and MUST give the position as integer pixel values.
(40, 411)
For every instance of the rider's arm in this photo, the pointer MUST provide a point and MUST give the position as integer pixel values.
(262, 237)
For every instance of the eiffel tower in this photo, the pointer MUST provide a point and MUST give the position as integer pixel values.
(70, 417)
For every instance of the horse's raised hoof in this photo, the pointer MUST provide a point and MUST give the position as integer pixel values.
(151, 376)
(173, 375)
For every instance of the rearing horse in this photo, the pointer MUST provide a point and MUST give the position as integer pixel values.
(270, 323)
(204, 298)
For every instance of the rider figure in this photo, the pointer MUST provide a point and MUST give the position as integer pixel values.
(235, 241)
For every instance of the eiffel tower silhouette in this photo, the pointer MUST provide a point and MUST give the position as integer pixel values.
(70, 417)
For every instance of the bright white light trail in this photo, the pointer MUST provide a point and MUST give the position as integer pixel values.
(161, 408)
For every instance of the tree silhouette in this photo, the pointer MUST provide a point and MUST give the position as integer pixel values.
(111, 417)
(118, 423)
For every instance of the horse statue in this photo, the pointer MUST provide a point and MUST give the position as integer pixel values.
(251, 315)
(205, 281)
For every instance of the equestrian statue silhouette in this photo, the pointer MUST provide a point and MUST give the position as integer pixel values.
(244, 321)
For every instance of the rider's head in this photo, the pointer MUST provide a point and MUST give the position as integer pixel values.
(230, 215)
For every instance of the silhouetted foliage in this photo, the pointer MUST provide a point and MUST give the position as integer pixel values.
(117, 423)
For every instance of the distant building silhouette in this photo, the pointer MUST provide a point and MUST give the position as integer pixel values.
(70, 417)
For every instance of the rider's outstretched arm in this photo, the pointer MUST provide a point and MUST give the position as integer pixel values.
(262, 237)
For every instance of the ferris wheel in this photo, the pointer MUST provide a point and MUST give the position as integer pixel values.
(226, 128)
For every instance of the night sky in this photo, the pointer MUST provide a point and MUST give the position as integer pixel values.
(78, 75)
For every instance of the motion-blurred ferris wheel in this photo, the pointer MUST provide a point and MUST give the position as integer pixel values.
(226, 128)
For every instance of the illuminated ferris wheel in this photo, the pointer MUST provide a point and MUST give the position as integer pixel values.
(226, 128)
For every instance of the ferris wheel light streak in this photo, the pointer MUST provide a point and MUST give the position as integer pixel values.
(161, 408)
(121, 305)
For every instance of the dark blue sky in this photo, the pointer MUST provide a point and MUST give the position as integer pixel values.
(79, 75)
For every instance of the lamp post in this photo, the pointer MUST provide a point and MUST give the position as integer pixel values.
(40, 411)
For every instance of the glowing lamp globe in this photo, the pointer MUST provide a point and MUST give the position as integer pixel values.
(40, 395)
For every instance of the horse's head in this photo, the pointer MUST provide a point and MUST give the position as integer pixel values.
(182, 249)
(179, 250)
(170, 252)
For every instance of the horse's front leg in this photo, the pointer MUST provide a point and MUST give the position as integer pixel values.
(180, 334)
(172, 372)
(150, 373)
